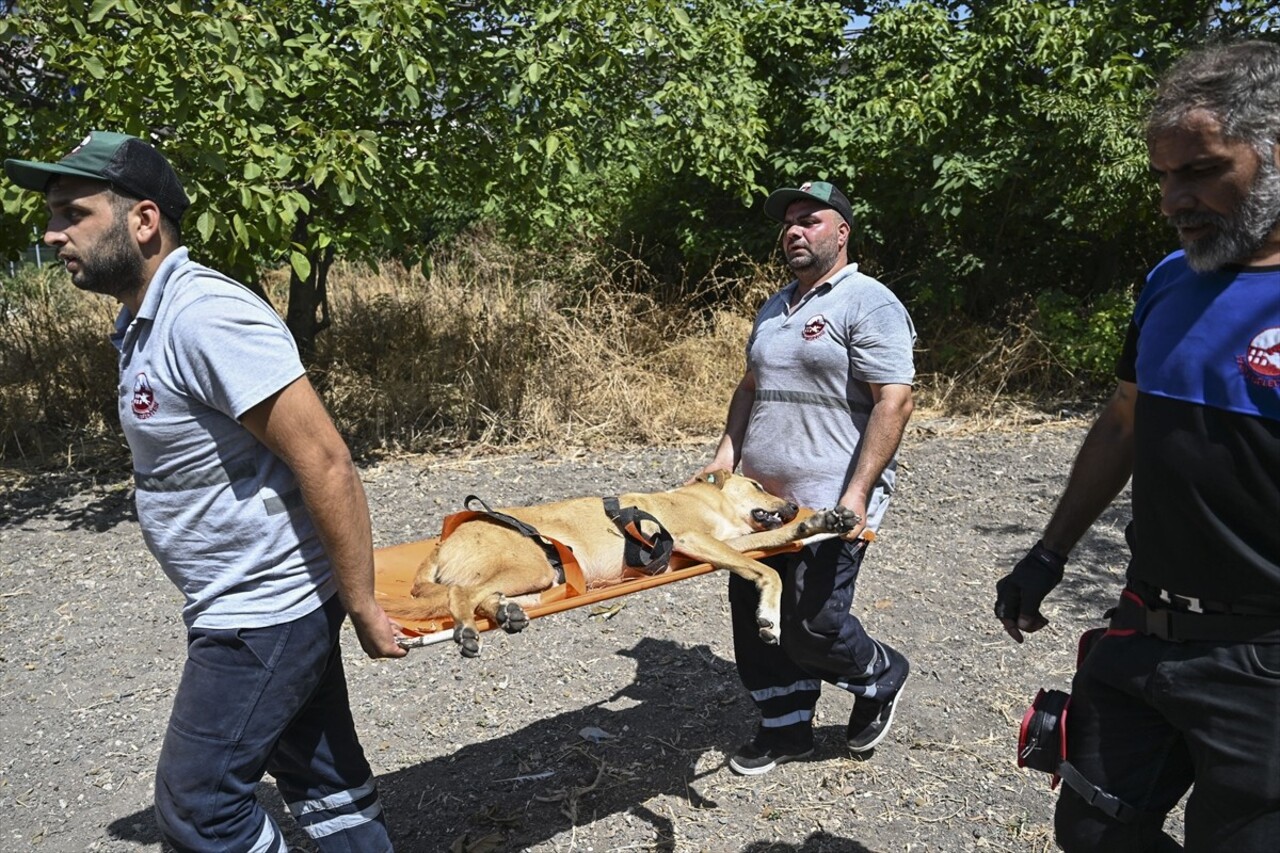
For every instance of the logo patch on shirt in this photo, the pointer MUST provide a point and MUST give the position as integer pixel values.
(144, 399)
(814, 327)
(1261, 364)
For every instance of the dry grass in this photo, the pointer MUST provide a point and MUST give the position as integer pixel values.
(489, 346)
(1006, 377)
(57, 369)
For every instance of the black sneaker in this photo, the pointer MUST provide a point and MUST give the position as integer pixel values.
(870, 720)
(772, 747)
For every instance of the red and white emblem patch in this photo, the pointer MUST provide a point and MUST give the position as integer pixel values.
(144, 399)
(1263, 357)
(814, 327)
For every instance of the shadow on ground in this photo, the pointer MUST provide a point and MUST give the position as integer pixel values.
(83, 500)
(572, 769)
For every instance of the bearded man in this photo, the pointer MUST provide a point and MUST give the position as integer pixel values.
(247, 497)
(1182, 691)
(817, 418)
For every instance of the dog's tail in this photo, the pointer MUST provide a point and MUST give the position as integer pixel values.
(432, 604)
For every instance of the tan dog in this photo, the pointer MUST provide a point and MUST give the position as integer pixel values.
(484, 563)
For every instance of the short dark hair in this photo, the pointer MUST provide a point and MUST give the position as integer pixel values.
(1238, 83)
(122, 202)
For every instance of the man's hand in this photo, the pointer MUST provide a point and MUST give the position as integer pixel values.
(859, 509)
(1019, 593)
(377, 635)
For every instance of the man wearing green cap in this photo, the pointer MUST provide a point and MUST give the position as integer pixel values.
(817, 418)
(247, 497)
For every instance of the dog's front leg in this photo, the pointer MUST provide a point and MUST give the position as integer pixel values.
(823, 523)
(702, 547)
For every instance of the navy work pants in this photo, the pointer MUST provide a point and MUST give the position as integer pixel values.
(258, 700)
(821, 639)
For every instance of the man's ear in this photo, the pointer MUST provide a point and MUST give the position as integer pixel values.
(146, 225)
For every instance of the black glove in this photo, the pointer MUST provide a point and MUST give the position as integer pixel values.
(1022, 590)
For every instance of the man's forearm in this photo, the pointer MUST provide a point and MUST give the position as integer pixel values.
(885, 427)
(336, 500)
(1101, 469)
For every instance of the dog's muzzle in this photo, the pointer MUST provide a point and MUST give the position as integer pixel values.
(768, 520)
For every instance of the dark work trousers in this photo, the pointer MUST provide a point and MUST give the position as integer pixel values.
(1150, 717)
(821, 639)
(257, 700)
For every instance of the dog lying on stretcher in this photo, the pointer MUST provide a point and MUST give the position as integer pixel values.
(490, 558)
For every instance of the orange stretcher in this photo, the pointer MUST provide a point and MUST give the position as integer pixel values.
(395, 566)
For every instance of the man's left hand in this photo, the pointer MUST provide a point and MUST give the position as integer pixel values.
(1019, 593)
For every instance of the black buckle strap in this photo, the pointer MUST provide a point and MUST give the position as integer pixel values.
(1189, 626)
(650, 554)
(553, 555)
(1109, 804)
(1152, 594)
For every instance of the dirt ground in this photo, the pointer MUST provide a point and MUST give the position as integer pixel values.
(598, 729)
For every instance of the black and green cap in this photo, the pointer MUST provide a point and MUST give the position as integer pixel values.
(775, 206)
(126, 162)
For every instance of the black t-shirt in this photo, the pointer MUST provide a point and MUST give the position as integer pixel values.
(1204, 351)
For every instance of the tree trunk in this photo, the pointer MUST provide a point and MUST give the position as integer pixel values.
(308, 312)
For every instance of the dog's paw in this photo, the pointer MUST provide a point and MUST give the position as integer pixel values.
(512, 618)
(468, 639)
(768, 632)
(838, 519)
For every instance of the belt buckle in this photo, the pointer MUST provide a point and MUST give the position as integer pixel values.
(1188, 601)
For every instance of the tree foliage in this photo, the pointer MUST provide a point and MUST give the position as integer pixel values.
(997, 146)
(308, 129)
(993, 147)
(290, 121)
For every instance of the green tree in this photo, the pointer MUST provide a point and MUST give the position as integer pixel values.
(654, 116)
(308, 129)
(291, 121)
(996, 146)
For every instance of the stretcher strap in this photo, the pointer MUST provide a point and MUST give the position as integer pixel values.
(559, 555)
(650, 554)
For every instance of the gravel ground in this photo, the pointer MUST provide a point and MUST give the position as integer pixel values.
(597, 729)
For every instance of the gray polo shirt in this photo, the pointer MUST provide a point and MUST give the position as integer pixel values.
(812, 368)
(220, 512)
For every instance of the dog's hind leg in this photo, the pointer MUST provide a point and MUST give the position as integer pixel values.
(466, 601)
(495, 604)
(484, 566)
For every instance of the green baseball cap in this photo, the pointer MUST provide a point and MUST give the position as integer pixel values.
(126, 162)
(775, 206)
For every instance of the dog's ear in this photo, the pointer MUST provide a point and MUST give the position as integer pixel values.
(714, 478)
